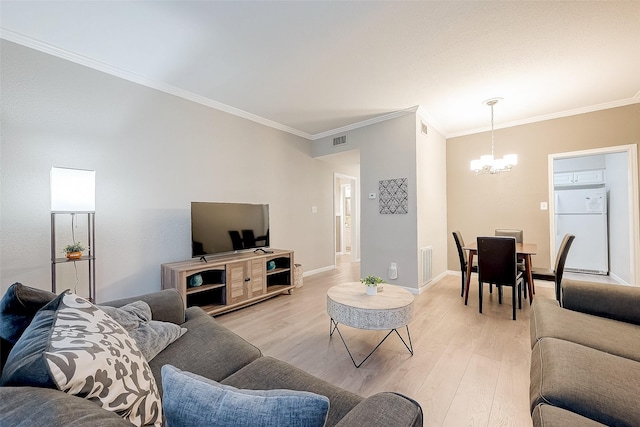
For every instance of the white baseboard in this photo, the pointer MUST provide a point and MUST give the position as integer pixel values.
(431, 283)
(318, 270)
(617, 278)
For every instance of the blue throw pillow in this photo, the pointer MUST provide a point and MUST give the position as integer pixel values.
(191, 400)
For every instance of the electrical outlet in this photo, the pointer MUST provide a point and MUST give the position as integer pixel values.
(544, 206)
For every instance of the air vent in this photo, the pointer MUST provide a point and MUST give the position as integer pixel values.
(426, 254)
(339, 140)
(423, 128)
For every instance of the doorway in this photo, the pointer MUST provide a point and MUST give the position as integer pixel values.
(346, 224)
(620, 180)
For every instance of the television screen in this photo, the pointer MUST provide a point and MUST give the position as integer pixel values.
(228, 227)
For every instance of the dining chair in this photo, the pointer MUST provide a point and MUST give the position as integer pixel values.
(519, 235)
(462, 254)
(556, 274)
(511, 232)
(497, 260)
(236, 240)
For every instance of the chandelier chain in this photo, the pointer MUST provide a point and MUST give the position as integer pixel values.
(492, 128)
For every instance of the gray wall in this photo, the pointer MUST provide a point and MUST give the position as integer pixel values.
(153, 154)
(396, 149)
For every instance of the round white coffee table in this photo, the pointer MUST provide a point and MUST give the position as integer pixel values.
(391, 309)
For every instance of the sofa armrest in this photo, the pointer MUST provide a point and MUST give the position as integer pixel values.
(617, 302)
(166, 305)
(40, 407)
(383, 410)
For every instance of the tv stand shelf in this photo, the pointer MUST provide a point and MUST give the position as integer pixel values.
(219, 284)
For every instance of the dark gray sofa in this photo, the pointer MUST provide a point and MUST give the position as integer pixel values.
(585, 358)
(213, 351)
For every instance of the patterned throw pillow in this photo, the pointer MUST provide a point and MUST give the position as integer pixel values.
(75, 347)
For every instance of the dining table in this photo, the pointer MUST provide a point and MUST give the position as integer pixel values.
(523, 251)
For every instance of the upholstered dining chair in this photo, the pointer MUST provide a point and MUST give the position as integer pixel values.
(236, 240)
(519, 236)
(556, 274)
(497, 260)
(510, 232)
(462, 254)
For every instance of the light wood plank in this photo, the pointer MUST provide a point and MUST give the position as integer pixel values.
(468, 368)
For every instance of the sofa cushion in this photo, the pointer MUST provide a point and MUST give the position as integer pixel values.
(75, 347)
(192, 400)
(550, 416)
(207, 349)
(589, 382)
(548, 319)
(617, 302)
(17, 308)
(151, 336)
(383, 410)
(267, 373)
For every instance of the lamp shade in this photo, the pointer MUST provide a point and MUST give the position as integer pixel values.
(73, 190)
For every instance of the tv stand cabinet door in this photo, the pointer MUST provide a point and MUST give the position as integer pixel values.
(237, 280)
(257, 285)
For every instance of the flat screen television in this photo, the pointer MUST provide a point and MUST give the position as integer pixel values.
(218, 228)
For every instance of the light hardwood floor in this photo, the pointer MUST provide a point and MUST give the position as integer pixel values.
(468, 369)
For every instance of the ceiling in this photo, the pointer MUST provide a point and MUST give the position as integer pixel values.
(314, 68)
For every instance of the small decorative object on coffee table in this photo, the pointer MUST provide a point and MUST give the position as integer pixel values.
(73, 251)
(373, 284)
(390, 310)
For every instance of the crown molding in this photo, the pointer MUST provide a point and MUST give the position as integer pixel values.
(29, 42)
(597, 107)
(364, 123)
(144, 81)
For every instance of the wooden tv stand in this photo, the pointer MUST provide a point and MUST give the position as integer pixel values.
(228, 282)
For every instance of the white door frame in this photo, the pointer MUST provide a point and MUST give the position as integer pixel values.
(355, 214)
(634, 214)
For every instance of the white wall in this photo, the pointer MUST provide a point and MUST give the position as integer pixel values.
(153, 154)
(431, 167)
(619, 230)
(582, 163)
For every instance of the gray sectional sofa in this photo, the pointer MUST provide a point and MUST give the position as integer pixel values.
(585, 358)
(210, 350)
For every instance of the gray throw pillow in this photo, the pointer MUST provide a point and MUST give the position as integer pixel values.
(152, 336)
(191, 400)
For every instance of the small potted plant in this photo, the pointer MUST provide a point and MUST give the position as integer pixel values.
(372, 282)
(73, 251)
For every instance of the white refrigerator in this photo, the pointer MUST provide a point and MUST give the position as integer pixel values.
(583, 213)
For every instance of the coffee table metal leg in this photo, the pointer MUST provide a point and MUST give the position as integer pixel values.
(333, 326)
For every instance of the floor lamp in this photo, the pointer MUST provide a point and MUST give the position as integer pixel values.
(73, 193)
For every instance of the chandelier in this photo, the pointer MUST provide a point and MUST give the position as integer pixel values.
(487, 163)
